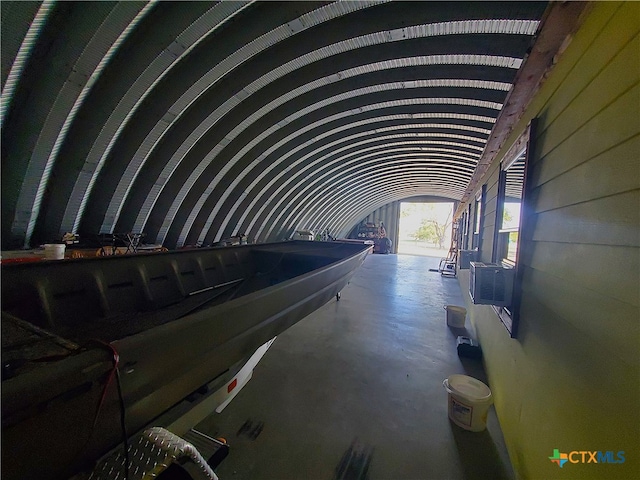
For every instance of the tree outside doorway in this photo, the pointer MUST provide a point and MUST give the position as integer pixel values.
(425, 228)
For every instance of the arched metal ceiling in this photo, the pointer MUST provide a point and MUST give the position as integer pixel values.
(194, 121)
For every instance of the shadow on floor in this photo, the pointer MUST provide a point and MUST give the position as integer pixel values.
(355, 462)
(479, 455)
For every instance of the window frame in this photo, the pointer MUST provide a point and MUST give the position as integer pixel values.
(464, 219)
(478, 219)
(510, 316)
(501, 243)
(469, 235)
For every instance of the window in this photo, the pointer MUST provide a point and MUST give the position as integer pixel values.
(465, 230)
(467, 244)
(511, 224)
(476, 242)
(478, 215)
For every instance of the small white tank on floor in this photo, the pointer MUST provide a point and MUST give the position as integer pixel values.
(455, 316)
(469, 402)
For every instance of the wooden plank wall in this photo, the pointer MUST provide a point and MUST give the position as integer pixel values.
(571, 380)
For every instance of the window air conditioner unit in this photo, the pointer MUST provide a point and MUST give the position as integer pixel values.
(491, 284)
(466, 257)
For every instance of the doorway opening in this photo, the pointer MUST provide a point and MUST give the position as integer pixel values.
(425, 228)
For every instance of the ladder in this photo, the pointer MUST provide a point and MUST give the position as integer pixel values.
(449, 265)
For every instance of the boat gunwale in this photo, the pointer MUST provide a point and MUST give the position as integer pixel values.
(104, 304)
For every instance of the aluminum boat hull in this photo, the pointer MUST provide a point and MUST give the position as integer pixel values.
(178, 321)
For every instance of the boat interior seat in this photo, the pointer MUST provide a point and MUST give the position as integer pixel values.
(191, 274)
(48, 301)
(74, 295)
(73, 300)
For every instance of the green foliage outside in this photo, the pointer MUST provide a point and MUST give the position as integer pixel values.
(425, 227)
(432, 231)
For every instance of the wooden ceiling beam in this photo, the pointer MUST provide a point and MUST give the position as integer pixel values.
(558, 25)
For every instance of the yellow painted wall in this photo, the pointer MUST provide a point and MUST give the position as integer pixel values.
(571, 380)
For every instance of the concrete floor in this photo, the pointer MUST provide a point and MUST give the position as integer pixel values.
(354, 391)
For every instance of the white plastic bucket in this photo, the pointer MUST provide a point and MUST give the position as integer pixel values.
(455, 316)
(54, 251)
(469, 402)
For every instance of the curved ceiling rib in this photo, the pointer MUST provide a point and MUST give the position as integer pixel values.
(58, 102)
(218, 179)
(12, 76)
(285, 179)
(445, 139)
(213, 118)
(192, 122)
(121, 21)
(157, 69)
(444, 82)
(256, 85)
(284, 207)
(385, 191)
(142, 218)
(341, 197)
(262, 156)
(300, 177)
(196, 91)
(376, 201)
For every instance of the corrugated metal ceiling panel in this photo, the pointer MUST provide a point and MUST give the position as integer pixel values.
(245, 123)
